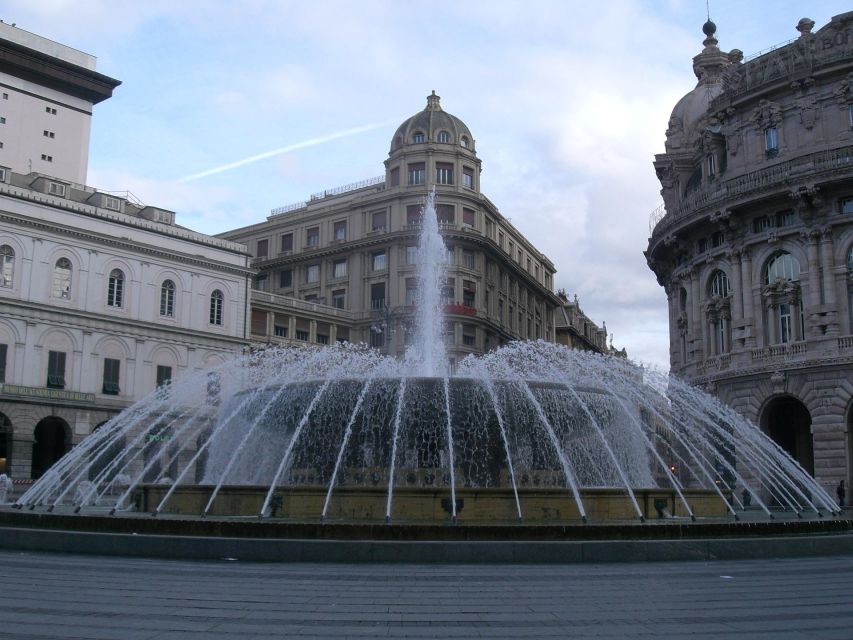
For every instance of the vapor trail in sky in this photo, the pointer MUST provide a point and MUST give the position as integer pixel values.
(291, 147)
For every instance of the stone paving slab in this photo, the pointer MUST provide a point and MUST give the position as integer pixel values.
(63, 596)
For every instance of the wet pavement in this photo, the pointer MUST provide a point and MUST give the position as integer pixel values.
(52, 596)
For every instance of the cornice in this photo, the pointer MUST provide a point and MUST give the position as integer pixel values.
(23, 310)
(124, 244)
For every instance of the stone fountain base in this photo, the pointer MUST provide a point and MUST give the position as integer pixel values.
(490, 505)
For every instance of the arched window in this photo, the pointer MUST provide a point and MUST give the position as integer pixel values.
(785, 319)
(216, 303)
(443, 137)
(720, 284)
(417, 137)
(783, 266)
(7, 266)
(115, 288)
(62, 279)
(464, 142)
(167, 299)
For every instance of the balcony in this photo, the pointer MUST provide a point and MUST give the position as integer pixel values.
(755, 181)
(779, 351)
(286, 303)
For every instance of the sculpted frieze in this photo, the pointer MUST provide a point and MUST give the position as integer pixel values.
(767, 114)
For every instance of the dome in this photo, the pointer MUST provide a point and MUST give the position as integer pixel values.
(435, 125)
(692, 108)
(689, 111)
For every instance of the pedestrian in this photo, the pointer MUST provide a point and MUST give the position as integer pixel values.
(841, 492)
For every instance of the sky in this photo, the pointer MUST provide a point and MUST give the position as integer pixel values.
(230, 109)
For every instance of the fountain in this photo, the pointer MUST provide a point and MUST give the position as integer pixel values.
(531, 432)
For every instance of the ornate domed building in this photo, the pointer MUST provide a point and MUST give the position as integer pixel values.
(754, 241)
(341, 265)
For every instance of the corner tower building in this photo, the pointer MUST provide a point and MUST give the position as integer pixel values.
(341, 266)
(754, 241)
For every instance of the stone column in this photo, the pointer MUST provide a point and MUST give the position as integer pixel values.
(291, 327)
(748, 301)
(814, 270)
(826, 256)
(697, 325)
(770, 329)
(737, 284)
(312, 331)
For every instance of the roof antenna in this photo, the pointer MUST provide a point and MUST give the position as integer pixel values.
(708, 8)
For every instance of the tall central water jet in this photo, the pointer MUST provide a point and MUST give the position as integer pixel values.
(428, 357)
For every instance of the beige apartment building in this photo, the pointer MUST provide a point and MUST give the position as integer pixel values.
(341, 266)
(754, 242)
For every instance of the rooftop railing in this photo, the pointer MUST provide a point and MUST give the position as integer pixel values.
(353, 186)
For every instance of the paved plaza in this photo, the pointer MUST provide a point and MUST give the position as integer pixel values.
(49, 596)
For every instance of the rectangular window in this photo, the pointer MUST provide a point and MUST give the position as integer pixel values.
(46, 158)
(339, 299)
(468, 217)
(718, 239)
(279, 331)
(49, 134)
(262, 282)
(850, 114)
(411, 291)
(285, 279)
(443, 173)
(785, 332)
(711, 163)
(448, 291)
(771, 141)
(55, 370)
(468, 259)
(377, 295)
(339, 269)
(2, 120)
(377, 337)
(3, 350)
(703, 245)
(762, 223)
(469, 293)
(467, 177)
(111, 375)
(450, 257)
(287, 242)
(785, 218)
(322, 338)
(5, 96)
(111, 203)
(341, 230)
(311, 297)
(377, 221)
(312, 273)
(56, 189)
(411, 255)
(846, 205)
(259, 322)
(414, 214)
(50, 110)
(445, 213)
(312, 237)
(301, 334)
(469, 335)
(380, 261)
(417, 173)
(263, 248)
(164, 375)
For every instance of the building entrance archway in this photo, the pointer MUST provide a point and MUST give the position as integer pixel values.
(51, 441)
(788, 422)
(5, 444)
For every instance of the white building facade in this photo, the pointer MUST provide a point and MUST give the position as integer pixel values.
(102, 299)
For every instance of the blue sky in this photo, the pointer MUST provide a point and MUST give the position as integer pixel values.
(568, 103)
